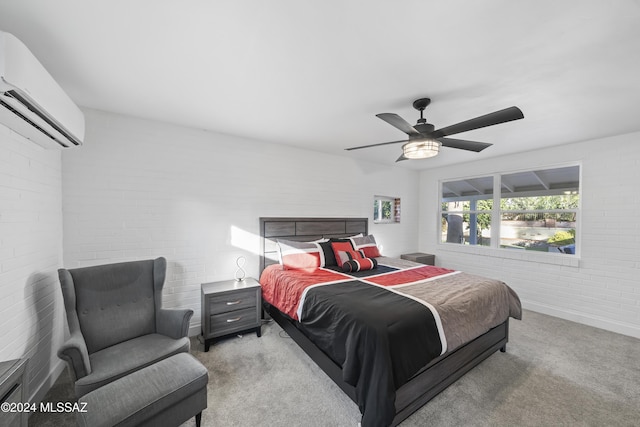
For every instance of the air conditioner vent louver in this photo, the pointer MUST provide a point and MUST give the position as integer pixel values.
(31, 102)
(26, 119)
(34, 110)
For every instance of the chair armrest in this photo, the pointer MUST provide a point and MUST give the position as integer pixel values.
(173, 323)
(74, 352)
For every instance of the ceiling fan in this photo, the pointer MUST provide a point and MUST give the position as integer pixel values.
(424, 141)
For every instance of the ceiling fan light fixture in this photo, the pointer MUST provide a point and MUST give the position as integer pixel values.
(421, 149)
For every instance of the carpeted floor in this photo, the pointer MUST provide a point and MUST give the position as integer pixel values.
(554, 373)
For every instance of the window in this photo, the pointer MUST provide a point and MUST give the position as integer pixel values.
(535, 210)
(386, 209)
(539, 210)
(466, 211)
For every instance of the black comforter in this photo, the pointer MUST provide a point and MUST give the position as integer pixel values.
(381, 339)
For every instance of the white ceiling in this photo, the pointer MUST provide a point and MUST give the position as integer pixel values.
(313, 74)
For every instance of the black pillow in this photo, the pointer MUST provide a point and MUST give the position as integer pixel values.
(329, 255)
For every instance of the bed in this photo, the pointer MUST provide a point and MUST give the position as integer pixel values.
(391, 337)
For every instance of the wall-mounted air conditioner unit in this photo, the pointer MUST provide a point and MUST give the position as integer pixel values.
(32, 103)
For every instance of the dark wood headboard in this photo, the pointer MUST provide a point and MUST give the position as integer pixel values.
(303, 229)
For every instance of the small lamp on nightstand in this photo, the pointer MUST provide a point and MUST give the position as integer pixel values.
(240, 273)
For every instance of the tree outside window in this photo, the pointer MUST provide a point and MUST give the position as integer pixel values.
(386, 209)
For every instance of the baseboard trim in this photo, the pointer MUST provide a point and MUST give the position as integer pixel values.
(585, 319)
(194, 330)
(39, 393)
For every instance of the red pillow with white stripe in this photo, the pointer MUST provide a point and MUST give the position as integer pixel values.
(356, 261)
(344, 256)
(298, 255)
(341, 246)
(367, 244)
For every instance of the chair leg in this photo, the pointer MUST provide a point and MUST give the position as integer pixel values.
(198, 419)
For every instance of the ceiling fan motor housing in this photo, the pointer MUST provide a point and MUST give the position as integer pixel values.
(421, 104)
(423, 127)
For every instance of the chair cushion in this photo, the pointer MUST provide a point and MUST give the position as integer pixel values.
(120, 295)
(140, 396)
(114, 362)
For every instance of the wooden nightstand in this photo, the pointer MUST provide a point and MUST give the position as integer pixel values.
(230, 307)
(13, 390)
(428, 259)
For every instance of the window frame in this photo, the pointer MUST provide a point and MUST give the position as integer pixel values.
(496, 216)
(395, 210)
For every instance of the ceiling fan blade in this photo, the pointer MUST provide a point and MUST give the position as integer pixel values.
(375, 145)
(401, 158)
(497, 117)
(398, 122)
(464, 144)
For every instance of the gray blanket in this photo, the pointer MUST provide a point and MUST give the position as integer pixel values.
(468, 305)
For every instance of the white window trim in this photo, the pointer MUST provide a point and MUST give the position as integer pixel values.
(381, 199)
(496, 216)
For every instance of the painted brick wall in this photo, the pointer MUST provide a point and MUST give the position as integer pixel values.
(141, 189)
(31, 308)
(602, 287)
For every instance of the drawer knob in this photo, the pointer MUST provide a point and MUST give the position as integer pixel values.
(234, 302)
(233, 320)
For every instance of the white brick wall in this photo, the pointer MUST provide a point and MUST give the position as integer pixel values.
(602, 289)
(31, 308)
(141, 189)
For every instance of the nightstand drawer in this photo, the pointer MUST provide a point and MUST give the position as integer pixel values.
(231, 301)
(230, 307)
(13, 389)
(238, 320)
(15, 396)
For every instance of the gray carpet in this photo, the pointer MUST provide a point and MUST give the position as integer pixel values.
(554, 373)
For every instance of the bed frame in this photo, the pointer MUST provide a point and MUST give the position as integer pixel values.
(423, 386)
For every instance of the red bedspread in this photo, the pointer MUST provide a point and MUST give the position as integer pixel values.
(284, 288)
(408, 276)
(369, 323)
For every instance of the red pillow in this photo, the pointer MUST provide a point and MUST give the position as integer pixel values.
(367, 244)
(341, 247)
(359, 264)
(295, 255)
(345, 256)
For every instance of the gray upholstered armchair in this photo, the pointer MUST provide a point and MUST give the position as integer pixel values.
(117, 322)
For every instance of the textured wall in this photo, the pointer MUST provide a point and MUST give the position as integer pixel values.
(601, 288)
(141, 189)
(31, 308)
